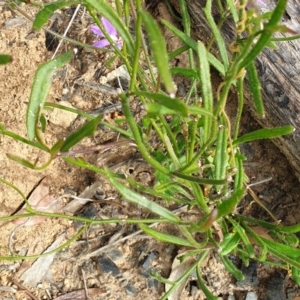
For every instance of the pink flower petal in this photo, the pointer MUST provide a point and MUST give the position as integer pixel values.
(261, 3)
(96, 30)
(111, 30)
(119, 45)
(101, 43)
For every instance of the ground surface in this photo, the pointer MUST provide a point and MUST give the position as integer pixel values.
(120, 271)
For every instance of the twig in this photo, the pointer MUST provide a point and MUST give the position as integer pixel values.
(256, 199)
(102, 148)
(98, 251)
(259, 182)
(66, 31)
(85, 286)
(20, 286)
(99, 87)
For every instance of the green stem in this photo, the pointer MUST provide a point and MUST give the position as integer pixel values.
(138, 139)
(240, 88)
(138, 39)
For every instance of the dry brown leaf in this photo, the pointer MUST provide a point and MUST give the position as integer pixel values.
(263, 232)
(35, 274)
(178, 269)
(39, 200)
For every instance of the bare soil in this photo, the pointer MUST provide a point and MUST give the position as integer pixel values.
(120, 271)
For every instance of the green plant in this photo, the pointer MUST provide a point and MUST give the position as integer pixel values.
(198, 162)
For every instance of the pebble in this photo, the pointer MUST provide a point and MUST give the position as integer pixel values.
(147, 264)
(107, 265)
(251, 296)
(115, 254)
(130, 290)
(274, 288)
(250, 274)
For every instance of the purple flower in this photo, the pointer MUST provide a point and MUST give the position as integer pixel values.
(111, 31)
(261, 3)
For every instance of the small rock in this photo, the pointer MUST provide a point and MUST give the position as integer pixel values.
(130, 289)
(89, 212)
(15, 22)
(115, 254)
(107, 265)
(251, 296)
(274, 287)
(147, 264)
(152, 283)
(250, 274)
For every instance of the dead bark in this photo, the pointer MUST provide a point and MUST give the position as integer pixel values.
(279, 72)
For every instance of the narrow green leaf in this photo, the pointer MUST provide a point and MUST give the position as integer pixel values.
(178, 51)
(43, 122)
(189, 73)
(282, 248)
(87, 129)
(141, 200)
(239, 178)
(243, 256)
(284, 257)
(231, 268)
(199, 111)
(221, 156)
(159, 50)
(70, 109)
(237, 228)
(106, 10)
(217, 34)
(22, 161)
(296, 275)
(228, 205)
(172, 103)
(255, 88)
(292, 240)
(55, 148)
(260, 242)
(233, 10)
(5, 59)
(44, 14)
(199, 180)
(203, 287)
(157, 109)
(40, 89)
(21, 139)
(266, 34)
(229, 243)
(193, 44)
(164, 237)
(287, 229)
(206, 87)
(80, 162)
(265, 133)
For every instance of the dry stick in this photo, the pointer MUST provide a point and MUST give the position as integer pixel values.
(66, 31)
(103, 148)
(85, 286)
(98, 251)
(20, 286)
(256, 199)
